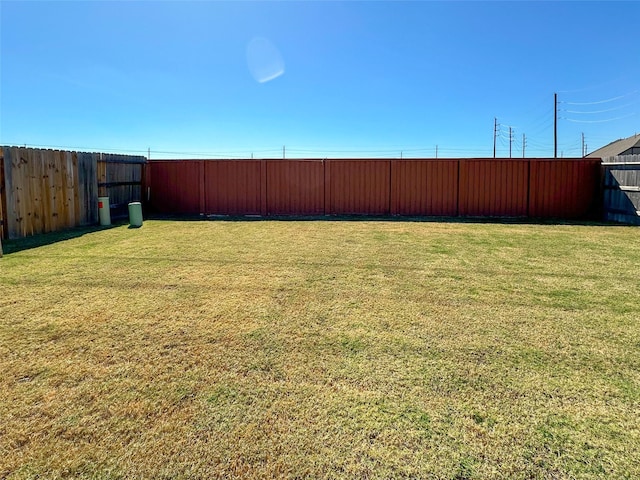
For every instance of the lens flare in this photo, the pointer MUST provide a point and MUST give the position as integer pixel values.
(264, 60)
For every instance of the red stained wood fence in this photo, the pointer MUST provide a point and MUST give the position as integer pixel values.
(540, 188)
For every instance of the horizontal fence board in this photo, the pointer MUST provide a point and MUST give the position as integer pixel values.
(621, 159)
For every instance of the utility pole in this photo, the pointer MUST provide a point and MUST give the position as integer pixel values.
(510, 140)
(149, 153)
(524, 143)
(583, 151)
(283, 152)
(495, 132)
(555, 125)
(436, 151)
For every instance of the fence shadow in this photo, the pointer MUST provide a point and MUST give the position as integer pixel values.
(381, 218)
(36, 241)
(621, 196)
(43, 239)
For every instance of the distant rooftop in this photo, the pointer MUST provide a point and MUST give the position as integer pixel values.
(624, 146)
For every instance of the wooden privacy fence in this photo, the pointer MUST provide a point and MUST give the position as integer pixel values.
(121, 178)
(49, 190)
(541, 188)
(622, 189)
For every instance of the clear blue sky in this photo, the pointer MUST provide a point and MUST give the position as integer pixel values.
(325, 79)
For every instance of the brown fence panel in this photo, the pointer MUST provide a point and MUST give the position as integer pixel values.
(42, 191)
(564, 188)
(466, 187)
(120, 178)
(295, 187)
(3, 202)
(621, 183)
(175, 186)
(233, 187)
(358, 186)
(493, 187)
(87, 188)
(424, 187)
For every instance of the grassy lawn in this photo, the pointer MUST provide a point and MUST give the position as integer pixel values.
(331, 349)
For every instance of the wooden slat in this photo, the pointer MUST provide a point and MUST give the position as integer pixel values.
(3, 202)
(102, 176)
(142, 161)
(77, 209)
(49, 190)
(120, 178)
(621, 159)
(11, 193)
(88, 185)
(118, 184)
(2, 216)
(621, 188)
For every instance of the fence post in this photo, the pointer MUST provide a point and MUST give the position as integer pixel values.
(393, 198)
(202, 185)
(528, 188)
(3, 202)
(458, 189)
(327, 186)
(263, 187)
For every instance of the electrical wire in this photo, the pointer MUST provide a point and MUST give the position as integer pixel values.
(598, 121)
(601, 111)
(601, 101)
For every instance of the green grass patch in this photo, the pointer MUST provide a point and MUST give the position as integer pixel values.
(330, 349)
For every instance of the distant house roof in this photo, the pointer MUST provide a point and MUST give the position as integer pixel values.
(624, 146)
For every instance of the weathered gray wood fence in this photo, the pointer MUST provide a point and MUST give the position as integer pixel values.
(49, 190)
(622, 189)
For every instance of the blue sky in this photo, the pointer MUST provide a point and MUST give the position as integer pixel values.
(324, 79)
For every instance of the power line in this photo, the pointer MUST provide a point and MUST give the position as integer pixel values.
(601, 111)
(603, 101)
(598, 121)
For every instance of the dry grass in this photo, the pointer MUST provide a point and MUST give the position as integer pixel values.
(322, 349)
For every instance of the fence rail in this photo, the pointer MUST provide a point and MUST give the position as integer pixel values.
(49, 190)
(541, 188)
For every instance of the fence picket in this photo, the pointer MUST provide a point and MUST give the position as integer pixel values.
(49, 190)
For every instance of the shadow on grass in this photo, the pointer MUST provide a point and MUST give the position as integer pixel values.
(384, 218)
(35, 241)
(13, 246)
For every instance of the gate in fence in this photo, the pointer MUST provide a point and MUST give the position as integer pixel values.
(622, 189)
